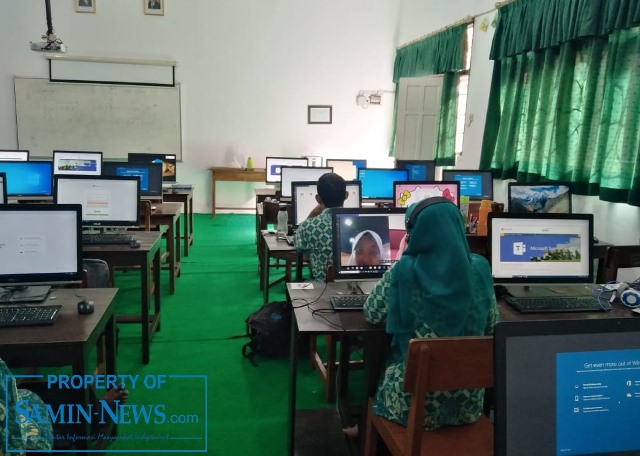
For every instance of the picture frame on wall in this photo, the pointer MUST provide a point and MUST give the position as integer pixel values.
(153, 7)
(85, 6)
(319, 114)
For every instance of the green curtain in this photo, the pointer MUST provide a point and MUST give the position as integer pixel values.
(568, 111)
(442, 53)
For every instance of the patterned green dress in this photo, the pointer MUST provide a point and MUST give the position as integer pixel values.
(24, 434)
(313, 237)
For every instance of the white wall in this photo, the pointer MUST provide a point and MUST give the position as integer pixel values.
(615, 223)
(248, 69)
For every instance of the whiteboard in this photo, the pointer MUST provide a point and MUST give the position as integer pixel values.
(114, 119)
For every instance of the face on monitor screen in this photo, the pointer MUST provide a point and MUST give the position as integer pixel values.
(407, 193)
(366, 241)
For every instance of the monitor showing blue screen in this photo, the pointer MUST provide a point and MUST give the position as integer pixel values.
(150, 175)
(419, 170)
(377, 183)
(477, 185)
(168, 161)
(28, 178)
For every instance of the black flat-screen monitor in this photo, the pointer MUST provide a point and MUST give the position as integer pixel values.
(3, 188)
(347, 168)
(40, 245)
(290, 174)
(304, 199)
(540, 248)
(168, 161)
(150, 175)
(477, 185)
(107, 201)
(366, 241)
(543, 198)
(14, 155)
(419, 170)
(377, 183)
(77, 163)
(567, 386)
(274, 166)
(407, 193)
(28, 179)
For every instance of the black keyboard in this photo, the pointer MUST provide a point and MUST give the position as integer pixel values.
(556, 304)
(348, 301)
(28, 316)
(106, 238)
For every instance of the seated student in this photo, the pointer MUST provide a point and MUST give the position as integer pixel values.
(314, 235)
(438, 288)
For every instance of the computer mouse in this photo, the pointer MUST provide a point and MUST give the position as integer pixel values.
(85, 306)
(135, 243)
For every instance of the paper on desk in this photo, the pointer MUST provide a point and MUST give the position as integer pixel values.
(302, 286)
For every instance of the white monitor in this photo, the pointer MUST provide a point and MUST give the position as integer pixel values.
(14, 155)
(345, 167)
(107, 201)
(304, 199)
(541, 248)
(292, 174)
(77, 163)
(275, 164)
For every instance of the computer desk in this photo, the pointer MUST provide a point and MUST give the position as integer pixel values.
(352, 323)
(147, 258)
(186, 198)
(271, 246)
(69, 341)
(233, 175)
(168, 215)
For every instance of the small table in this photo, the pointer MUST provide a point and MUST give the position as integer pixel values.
(270, 245)
(147, 258)
(168, 214)
(69, 341)
(186, 198)
(233, 175)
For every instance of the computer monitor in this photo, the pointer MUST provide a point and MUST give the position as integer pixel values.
(3, 188)
(28, 179)
(347, 168)
(304, 199)
(290, 174)
(545, 198)
(14, 155)
(77, 163)
(150, 175)
(568, 386)
(107, 201)
(477, 185)
(409, 192)
(354, 247)
(419, 170)
(274, 166)
(377, 183)
(40, 245)
(168, 161)
(540, 248)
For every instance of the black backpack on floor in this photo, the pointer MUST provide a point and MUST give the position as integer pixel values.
(269, 331)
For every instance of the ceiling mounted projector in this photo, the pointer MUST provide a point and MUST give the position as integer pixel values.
(52, 43)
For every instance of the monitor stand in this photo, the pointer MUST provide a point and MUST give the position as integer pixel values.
(34, 293)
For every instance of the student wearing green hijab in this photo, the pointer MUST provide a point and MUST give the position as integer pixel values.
(438, 288)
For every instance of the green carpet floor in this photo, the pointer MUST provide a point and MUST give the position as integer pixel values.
(245, 407)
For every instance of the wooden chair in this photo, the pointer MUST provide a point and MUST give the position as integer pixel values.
(439, 364)
(620, 257)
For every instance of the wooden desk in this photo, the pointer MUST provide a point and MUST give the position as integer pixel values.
(272, 246)
(147, 257)
(233, 175)
(168, 215)
(186, 198)
(342, 324)
(69, 341)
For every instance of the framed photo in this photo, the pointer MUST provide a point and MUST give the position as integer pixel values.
(85, 6)
(319, 114)
(153, 7)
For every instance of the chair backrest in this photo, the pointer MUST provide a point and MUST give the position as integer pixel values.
(96, 274)
(145, 215)
(620, 257)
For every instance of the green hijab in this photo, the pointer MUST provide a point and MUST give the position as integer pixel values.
(438, 281)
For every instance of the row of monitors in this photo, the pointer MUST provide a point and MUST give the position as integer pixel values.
(34, 179)
(40, 241)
